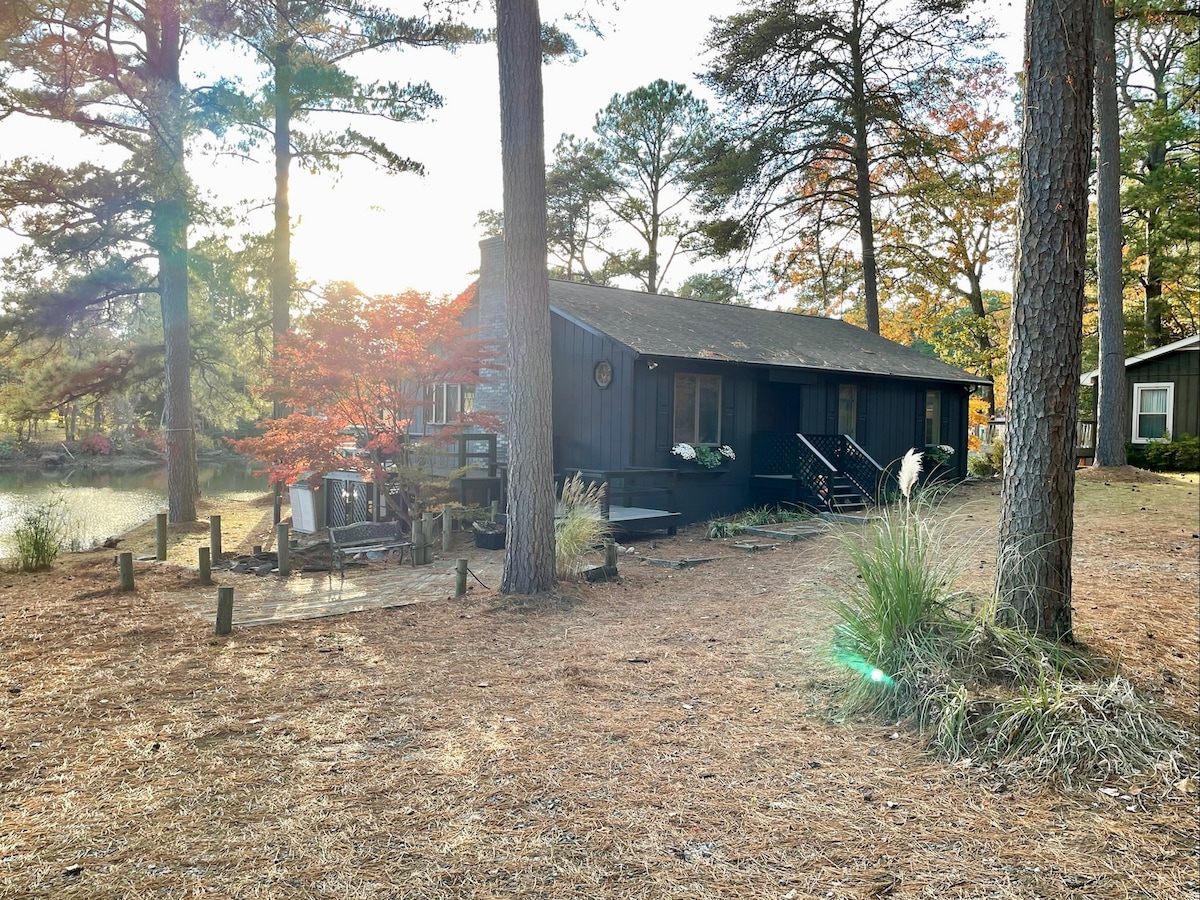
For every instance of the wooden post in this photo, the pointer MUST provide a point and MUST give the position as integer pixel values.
(224, 610)
(495, 511)
(610, 553)
(160, 537)
(256, 550)
(283, 549)
(460, 577)
(214, 536)
(427, 533)
(418, 539)
(125, 564)
(205, 566)
(446, 531)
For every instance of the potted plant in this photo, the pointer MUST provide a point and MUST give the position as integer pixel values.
(488, 535)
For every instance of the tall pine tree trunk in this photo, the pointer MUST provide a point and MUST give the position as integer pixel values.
(529, 549)
(170, 224)
(1110, 399)
(1033, 577)
(281, 243)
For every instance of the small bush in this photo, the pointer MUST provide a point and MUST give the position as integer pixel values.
(97, 445)
(1179, 455)
(39, 535)
(9, 450)
(988, 462)
(578, 528)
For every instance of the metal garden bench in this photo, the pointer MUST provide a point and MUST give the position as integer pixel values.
(349, 541)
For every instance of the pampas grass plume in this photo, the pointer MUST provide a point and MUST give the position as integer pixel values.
(910, 468)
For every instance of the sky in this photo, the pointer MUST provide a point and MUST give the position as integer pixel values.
(389, 233)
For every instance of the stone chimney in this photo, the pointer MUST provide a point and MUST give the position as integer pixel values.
(492, 392)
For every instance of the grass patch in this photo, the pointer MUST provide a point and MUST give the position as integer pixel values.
(578, 527)
(921, 651)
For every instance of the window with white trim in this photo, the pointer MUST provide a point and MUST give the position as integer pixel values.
(1153, 412)
(448, 402)
(697, 408)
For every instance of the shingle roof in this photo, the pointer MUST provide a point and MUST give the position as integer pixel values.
(661, 325)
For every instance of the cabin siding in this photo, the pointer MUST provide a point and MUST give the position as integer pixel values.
(591, 430)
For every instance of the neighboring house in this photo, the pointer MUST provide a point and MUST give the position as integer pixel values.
(811, 406)
(1162, 393)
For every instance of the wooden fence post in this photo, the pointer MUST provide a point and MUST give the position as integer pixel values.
(224, 610)
(494, 513)
(125, 564)
(283, 549)
(610, 553)
(214, 536)
(205, 566)
(160, 537)
(427, 533)
(460, 577)
(446, 531)
(418, 540)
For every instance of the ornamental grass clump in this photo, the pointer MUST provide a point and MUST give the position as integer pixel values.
(39, 535)
(921, 651)
(579, 527)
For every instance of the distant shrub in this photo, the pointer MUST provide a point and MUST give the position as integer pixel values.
(97, 445)
(989, 462)
(9, 450)
(1179, 455)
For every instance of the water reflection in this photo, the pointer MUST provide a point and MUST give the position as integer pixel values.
(101, 503)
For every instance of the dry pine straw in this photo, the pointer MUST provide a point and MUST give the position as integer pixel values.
(669, 736)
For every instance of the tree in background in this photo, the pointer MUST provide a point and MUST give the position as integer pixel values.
(307, 48)
(577, 223)
(823, 95)
(650, 143)
(1033, 581)
(529, 561)
(1158, 83)
(359, 367)
(950, 223)
(107, 237)
(1110, 290)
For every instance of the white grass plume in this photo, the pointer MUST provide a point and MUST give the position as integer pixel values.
(910, 468)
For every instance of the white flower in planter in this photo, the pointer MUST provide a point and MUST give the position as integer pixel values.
(684, 451)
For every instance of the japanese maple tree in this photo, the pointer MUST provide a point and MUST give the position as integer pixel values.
(357, 369)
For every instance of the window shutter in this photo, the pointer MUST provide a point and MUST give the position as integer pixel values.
(663, 413)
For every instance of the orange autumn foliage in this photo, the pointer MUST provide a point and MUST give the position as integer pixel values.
(356, 369)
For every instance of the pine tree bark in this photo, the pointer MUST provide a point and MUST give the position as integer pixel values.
(169, 217)
(1033, 577)
(529, 545)
(1110, 390)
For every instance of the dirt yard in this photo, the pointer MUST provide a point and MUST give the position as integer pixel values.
(669, 736)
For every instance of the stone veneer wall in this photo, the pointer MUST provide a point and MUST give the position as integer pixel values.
(492, 393)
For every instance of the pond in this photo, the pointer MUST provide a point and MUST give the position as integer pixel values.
(100, 503)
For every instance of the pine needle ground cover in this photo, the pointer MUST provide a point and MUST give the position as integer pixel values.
(671, 735)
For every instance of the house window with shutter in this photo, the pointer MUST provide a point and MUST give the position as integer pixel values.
(1153, 412)
(697, 409)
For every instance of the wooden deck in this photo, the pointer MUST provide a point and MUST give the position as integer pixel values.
(639, 519)
(269, 599)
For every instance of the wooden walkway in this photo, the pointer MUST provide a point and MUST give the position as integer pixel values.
(264, 600)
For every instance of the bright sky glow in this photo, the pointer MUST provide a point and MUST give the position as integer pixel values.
(390, 233)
